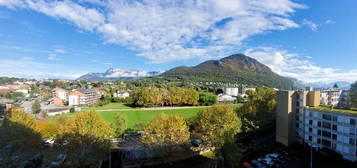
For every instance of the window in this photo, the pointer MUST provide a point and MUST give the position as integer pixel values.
(297, 118)
(310, 122)
(326, 125)
(334, 146)
(318, 132)
(352, 131)
(334, 118)
(310, 129)
(319, 124)
(334, 127)
(352, 141)
(353, 121)
(298, 104)
(326, 117)
(297, 111)
(326, 134)
(297, 125)
(326, 142)
(318, 140)
(310, 138)
(334, 136)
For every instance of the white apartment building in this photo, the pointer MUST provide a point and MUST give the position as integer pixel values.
(334, 130)
(230, 91)
(82, 97)
(331, 96)
(59, 93)
(301, 118)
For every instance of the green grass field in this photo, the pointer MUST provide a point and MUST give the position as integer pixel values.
(136, 116)
(114, 106)
(145, 116)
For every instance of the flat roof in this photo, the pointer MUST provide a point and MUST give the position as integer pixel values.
(334, 110)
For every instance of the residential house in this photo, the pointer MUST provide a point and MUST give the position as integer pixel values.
(121, 94)
(225, 98)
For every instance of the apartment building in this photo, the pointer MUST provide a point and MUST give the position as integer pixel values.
(331, 96)
(300, 118)
(344, 100)
(230, 91)
(59, 93)
(82, 97)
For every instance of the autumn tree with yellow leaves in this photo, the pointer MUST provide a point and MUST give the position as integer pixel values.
(166, 130)
(85, 138)
(216, 123)
(19, 139)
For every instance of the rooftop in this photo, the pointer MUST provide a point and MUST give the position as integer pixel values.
(329, 109)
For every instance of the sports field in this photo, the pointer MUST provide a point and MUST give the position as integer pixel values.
(136, 115)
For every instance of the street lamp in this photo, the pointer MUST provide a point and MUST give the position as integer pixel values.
(312, 146)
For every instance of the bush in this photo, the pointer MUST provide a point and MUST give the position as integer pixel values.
(72, 110)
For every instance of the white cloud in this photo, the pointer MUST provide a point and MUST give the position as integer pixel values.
(27, 58)
(93, 60)
(294, 65)
(32, 69)
(108, 63)
(60, 51)
(313, 26)
(163, 30)
(12, 3)
(329, 21)
(52, 57)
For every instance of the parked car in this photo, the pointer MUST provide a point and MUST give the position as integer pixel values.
(258, 164)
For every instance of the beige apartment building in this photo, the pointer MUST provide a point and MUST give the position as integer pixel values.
(291, 103)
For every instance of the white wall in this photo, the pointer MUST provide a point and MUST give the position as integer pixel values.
(73, 100)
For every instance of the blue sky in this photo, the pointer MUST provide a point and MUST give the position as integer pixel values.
(313, 41)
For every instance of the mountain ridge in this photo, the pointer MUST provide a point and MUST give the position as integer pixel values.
(237, 68)
(118, 74)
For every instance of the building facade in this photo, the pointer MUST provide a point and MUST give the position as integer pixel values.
(59, 93)
(331, 96)
(333, 130)
(300, 118)
(82, 97)
(344, 100)
(231, 91)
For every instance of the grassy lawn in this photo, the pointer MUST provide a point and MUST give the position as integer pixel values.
(136, 116)
(145, 116)
(140, 116)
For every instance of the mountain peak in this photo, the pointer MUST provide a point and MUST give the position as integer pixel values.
(237, 68)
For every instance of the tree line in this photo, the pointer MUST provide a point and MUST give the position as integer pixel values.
(170, 96)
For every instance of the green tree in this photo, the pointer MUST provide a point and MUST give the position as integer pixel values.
(217, 122)
(85, 138)
(207, 99)
(260, 106)
(230, 153)
(36, 107)
(353, 94)
(120, 124)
